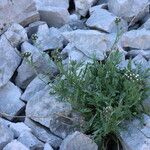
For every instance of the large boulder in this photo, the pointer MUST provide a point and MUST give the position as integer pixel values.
(82, 6)
(49, 111)
(19, 11)
(9, 60)
(78, 141)
(91, 43)
(10, 103)
(139, 39)
(103, 20)
(38, 62)
(128, 9)
(6, 136)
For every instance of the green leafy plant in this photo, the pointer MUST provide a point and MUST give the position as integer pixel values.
(103, 94)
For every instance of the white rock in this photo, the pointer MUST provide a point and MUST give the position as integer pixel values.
(48, 38)
(16, 35)
(127, 9)
(30, 141)
(47, 147)
(103, 20)
(91, 43)
(19, 11)
(82, 6)
(54, 3)
(54, 16)
(43, 134)
(8, 56)
(6, 136)
(139, 130)
(49, 111)
(41, 63)
(15, 145)
(10, 102)
(19, 128)
(78, 141)
(139, 39)
(139, 60)
(34, 87)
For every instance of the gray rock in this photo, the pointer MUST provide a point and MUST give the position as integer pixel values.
(146, 105)
(6, 136)
(103, 20)
(50, 112)
(15, 145)
(19, 128)
(43, 133)
(33, 27)
(82, 6)
(19, 11)
(30, 141)
(127, 9)
(16, 35)
(34, 87)
(146, 25)
(54, 16)
(139, 130)
(78, 141)
(48, 38)
(65, 28)
(140, 60)
(41, 63)
(139, 39)
(10, 102)
(47, 147)
(144, 53)
(53, 3)
(91, 43)
(8, 56)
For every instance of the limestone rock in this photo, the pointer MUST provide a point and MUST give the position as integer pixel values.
(18, 11)
(47, 147)
(48, 38)
(43, 133)
(139, 39)
(78, 141)
(82, 6)
(103, 20)
(34, 87)
(138, 130)
(10, 102)
(41, 63)
(15, 145)
(50, 112)
(6, 136)
(30, 141)
(127, 9)
(9, 60)
(19, 128)
(91, 43)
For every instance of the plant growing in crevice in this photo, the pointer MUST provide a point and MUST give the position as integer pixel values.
(103, 94)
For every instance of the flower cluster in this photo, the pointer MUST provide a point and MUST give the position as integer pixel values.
(132, 76)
